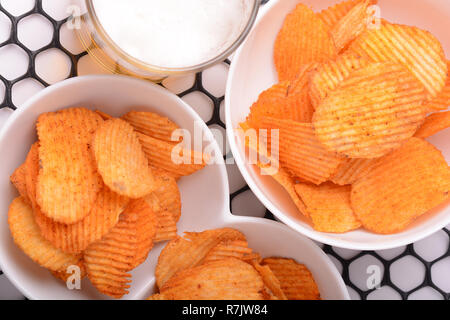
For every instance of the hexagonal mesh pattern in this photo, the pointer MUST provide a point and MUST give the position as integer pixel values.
(429, 269)
(32, 54)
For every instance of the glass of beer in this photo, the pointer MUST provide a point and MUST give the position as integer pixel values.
(153, 39)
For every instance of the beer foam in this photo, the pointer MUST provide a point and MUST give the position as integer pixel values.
(173, 33)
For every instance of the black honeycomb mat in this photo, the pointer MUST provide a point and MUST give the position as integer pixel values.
(32, 54)
(215, 120)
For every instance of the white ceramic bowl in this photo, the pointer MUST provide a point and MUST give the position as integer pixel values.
(205, 197)
(253, 71)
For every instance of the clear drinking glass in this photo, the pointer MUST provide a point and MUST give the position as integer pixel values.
(114, 59)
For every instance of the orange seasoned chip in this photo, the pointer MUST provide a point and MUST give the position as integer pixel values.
(295, 279)
(253, 257)
(332, 15)
(433, 124)
(109, 260)
(270, 103)
(104, 115)
(228, 249)
(153, 201)
(229, 279)
(121, 161)
(401, 186)
(270, 166)
(303, 39)
(18, 179)
(329, 207)
(159, 155)
(298, 101)
(183, 253)
(351, 170)
(68, 182)
(146, 228)
(168, 193)
(330, 74)
(362, 123)
(76, 237)
(270, 281)
(32, 173)
(417, 50)
(442, 101)
(157, 296)
(301, 153)
(288, 183)
(287, 100)
(28, 238)
(166, 226)
(166, 221)
(151, 124)
(351, 25)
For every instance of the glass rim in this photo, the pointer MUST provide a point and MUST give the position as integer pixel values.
(167, 70)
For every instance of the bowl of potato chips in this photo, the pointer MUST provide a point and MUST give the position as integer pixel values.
(107, 171)
(336, 116)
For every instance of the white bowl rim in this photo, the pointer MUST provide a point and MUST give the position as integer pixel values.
(312, 234)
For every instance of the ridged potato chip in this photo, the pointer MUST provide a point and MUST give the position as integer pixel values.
(270, 103)
(303, 38)
(402, 186)
(301, 153)
(146, 228)
(104, 115)
(295, 279)
(287, 100)
(433, 124)
(151, 124)
(153, 201)
(270, 166)
(121, 161)
(362, 123)
(76, 237)
(332, 15)
(329, 207)
(270, 281)
(157, 296)
(166, 226)
(351, 25)
(298, 101)
(442, 101)
(68, 182)
(288, 183)
(166, 223)
(28, 238)
(109, 260)
(416, 49)
(253, 257)
(32, 173)
(159, 155)
(183, 253)
(330, 74)
(18, 179)
(237, 249)
(351, 170)
(229, 279)
(168, 193)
